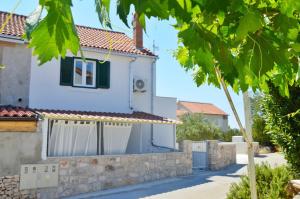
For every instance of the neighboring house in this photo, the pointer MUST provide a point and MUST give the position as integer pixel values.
(209, 111)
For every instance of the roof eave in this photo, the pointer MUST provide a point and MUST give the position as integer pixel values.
(115, 52)
(103, 118)
(11, 38)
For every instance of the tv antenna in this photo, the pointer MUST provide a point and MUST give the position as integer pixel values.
(154, 47)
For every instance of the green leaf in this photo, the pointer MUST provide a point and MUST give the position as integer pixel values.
(56, 33)
(32, 21)
(296, 47)
(102, 9)
(249, 23)
(123, 8)
(288, 7)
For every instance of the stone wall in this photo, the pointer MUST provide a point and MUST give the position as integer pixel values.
(93, 173)
(87, 174)
(220, 154)
(242, 147)
(9, 188)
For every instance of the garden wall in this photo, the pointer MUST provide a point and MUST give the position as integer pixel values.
(220, 154)
(93, 173)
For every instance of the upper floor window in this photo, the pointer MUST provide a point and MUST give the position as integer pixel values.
(89, 74)
(84, 73)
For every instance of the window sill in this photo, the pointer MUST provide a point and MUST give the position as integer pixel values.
(84, 89)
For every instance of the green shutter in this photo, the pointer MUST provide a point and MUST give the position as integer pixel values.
(66, 71)
(103, 74)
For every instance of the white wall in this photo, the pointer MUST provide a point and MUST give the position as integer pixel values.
(163, 135)
(46, 92)
(218, 120)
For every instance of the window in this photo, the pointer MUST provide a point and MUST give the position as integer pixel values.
(84, 73)
(90, 74)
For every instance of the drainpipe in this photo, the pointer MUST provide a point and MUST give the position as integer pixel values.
(152, 103)
(130, 81)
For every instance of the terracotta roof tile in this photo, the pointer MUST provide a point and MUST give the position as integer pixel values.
(89, 37)
(16, 113)
(197, 107)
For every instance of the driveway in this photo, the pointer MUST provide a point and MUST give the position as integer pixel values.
(199, 185)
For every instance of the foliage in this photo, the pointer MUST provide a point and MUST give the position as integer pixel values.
(195, 127)
(282, 118)
(271, 183)
(55, 34)
(259, 132)
(227, 136)
(251, 41)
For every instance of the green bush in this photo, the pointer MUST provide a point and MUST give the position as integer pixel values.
(227, 136)
(195, 127)
(271, 183)
(282, 118)
(259, 132)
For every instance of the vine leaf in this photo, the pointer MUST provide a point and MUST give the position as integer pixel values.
(55, 34)
(32, 21)
(249, 23)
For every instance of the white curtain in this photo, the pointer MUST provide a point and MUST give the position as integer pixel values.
(73, 138)
(116, 136)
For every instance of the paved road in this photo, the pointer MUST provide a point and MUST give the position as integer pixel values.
(200, 185)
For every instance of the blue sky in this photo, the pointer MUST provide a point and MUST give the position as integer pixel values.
(172, 80)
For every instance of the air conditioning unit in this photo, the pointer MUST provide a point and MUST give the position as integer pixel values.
(139, 85)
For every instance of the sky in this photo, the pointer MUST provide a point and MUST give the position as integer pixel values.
(172, 79)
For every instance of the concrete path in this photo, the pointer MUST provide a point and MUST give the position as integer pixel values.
(200, 185)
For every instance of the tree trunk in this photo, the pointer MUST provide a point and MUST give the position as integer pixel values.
(247, 135)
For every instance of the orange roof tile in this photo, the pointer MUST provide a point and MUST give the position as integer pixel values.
(8, 112)
(89, 37)
(197, 107)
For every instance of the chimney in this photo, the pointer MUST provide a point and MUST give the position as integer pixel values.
(137, 32)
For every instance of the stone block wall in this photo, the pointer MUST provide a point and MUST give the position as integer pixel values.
(9, 188)
(242, 147)
(87, 174)
(93, 173)
(220, 154)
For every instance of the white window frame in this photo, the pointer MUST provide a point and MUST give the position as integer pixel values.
(84, 65)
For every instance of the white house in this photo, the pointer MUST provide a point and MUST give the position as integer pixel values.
(72, 126)
(210, 112)
(104, 105)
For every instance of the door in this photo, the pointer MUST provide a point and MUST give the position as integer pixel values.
(199, 149)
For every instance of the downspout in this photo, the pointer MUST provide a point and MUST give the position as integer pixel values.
(152, 103)
(130, 82)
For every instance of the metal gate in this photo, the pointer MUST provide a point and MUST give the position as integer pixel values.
(200, 157)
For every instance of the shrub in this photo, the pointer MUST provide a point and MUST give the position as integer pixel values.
(282, 118)
(270, 183)
(259, 132)
(195, 127)
(227, 136)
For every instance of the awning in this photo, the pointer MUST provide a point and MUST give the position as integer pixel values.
(135, 117)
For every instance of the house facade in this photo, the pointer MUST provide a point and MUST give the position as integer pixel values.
(210, 112)
(106, 82)
(97, 109)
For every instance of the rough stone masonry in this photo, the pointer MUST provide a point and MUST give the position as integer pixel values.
(93, 173)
